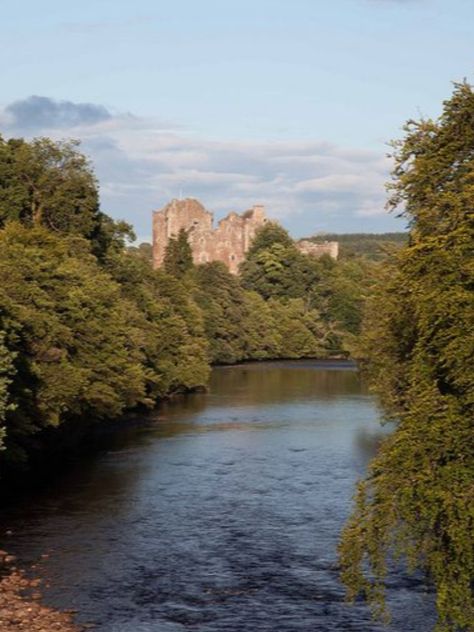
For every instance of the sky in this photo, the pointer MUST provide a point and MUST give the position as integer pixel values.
(290, 104)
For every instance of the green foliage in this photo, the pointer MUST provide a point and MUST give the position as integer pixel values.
(69, 330)
(276, 269)
(168, 325)
(221, 300)
(51, 184)
(6, 367)
(418, 346)
(259, 335)
(178, 258)
(267, 236)
(343, 294)
(89, 342)
(144, 250)
(239, 324)
(90, 330)
(300, 330)
(281, 271)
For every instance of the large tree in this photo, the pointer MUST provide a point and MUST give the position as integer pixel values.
(178, 258)
(274, 267)
(70, 330)
(239, 324)
(169, 325)
(52, 184)
(418, 499)
(222, 301)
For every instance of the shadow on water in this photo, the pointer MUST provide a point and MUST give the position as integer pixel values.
(218, 512)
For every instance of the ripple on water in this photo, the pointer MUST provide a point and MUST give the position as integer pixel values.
(223, 515)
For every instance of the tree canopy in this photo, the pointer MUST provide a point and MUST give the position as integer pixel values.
(88, 330)
(178, 255)
(418, 347)
(51, 184)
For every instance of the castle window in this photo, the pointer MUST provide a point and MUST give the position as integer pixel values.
(232, 257)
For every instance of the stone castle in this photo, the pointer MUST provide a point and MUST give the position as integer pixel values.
(228, 242)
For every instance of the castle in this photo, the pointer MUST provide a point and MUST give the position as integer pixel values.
(228, 242)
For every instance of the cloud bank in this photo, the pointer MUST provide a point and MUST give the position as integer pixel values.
(37, 113)
(310, 186)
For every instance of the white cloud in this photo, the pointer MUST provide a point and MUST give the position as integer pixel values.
(142, 163)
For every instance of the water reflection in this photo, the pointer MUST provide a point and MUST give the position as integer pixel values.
(367, 442)
(274, 383)
(219, 512)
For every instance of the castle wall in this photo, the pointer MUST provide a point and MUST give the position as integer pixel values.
(330, 248)
(228, 242)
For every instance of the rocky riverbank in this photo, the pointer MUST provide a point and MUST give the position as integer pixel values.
(21, 608)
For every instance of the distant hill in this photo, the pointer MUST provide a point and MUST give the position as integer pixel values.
(370, 245)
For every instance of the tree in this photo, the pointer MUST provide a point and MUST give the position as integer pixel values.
(332, 292)
(88, 330)
(259, 335)
(300, 331)
(267, 235)
(341, 295)
(418, 346)
(70, 332)
(170, 330)
(222, 301)
(6, 367)
(178, 258)
(282, 271)
(144, 250)
(51, 184)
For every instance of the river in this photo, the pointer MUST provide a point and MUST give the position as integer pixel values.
(220, 512)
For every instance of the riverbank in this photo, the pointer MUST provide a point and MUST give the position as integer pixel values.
(21, 606)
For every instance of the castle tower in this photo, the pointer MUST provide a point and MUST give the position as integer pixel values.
(227, 243)
(188, 214)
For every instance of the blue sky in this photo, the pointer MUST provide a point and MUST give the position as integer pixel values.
(289, 104)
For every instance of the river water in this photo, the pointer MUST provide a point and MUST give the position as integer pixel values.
(218, 513)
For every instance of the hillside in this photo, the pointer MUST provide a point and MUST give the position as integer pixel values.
(371, 245)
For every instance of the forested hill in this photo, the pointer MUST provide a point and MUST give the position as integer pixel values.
(373, 246)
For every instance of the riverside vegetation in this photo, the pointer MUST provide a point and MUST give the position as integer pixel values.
(417, 346)
(89, 331)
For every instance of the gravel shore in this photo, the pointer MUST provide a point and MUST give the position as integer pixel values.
(21, 608)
